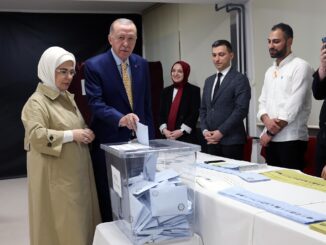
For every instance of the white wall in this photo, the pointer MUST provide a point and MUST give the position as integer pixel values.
(161, 37)
(184, 31)
(307, 18)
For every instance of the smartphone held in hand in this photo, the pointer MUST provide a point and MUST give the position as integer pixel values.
(324, 42)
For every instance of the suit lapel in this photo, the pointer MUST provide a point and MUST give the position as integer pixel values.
(210, 89)
(135, 79)
(183, 103)
(169, 97)
(226, 83)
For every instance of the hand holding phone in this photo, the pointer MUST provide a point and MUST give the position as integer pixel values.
(322, 66)
(324, 42)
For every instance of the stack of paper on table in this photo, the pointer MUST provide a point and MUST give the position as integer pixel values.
(240, 165)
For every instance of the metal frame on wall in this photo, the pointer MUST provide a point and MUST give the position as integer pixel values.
(238, 37)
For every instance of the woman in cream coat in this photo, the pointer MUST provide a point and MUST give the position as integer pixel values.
(63, 205)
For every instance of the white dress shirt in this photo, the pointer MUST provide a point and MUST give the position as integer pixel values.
(286, 95)
(224, 72)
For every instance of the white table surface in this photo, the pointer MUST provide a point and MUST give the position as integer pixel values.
(110, 234)
(221, 220)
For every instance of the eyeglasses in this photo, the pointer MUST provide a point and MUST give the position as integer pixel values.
(65, 72)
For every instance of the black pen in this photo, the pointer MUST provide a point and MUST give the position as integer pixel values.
(213, 161)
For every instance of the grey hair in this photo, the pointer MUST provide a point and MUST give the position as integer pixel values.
(122, 21)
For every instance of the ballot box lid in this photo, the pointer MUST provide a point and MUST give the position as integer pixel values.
(134, 149)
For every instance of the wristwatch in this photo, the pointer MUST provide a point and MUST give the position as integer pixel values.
(269, 133)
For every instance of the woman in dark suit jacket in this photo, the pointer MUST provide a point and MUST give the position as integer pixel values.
(179, 108)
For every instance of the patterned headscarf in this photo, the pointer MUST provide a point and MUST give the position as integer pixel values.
(49, 61)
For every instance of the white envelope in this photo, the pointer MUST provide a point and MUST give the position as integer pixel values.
(136, 208)
(141, 186)
(142, 133)
(166, 175)
(149, 168)
(169, 200)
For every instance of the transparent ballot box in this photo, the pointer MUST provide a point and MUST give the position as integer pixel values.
(152, 189)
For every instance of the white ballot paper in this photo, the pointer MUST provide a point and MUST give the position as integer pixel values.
(149, 168)
(160, 209)
(142, 133)
(129, 147)
(168, 200)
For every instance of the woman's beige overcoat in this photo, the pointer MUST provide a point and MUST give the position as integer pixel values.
(63, 206)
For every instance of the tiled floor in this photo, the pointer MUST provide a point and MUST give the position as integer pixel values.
(13, 212)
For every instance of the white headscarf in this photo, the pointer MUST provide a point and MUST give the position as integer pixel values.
(49, 61)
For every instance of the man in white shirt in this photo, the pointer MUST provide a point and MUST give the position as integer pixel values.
(285, 102)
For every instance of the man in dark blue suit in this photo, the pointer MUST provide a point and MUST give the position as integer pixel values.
(115, 106)
(225, 104)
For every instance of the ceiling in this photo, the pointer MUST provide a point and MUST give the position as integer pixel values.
(88, 6)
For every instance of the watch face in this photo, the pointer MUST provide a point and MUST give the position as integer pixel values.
(269, 133)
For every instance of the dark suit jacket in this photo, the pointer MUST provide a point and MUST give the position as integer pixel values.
(319, 92)
(188, 110)
(108, 99)
(228, 109)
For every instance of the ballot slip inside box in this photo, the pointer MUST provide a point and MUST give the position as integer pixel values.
(152, 189)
